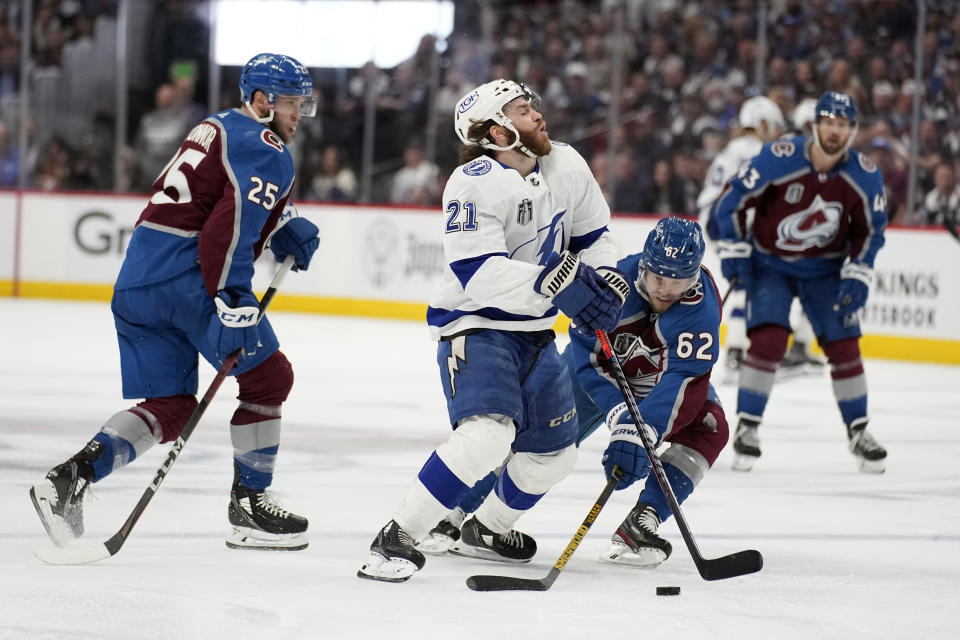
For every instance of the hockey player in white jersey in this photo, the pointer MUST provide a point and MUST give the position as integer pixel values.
(525, 236)
(761, 121)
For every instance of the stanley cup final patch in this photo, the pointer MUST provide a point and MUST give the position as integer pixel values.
(524, 211)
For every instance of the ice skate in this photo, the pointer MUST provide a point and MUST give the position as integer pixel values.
(636, 542)
(797, 362)
(871, 456)
(477, 541)
(746, 445)
(444, 535)
(259, 522)
(58, 500)
(393, 556)
(731, 366)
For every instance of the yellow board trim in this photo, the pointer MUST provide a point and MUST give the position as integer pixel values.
(907, 348)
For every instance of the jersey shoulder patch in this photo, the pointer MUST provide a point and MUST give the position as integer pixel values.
(272, 140)
(477, 167)
(783, 148)
(866, 162)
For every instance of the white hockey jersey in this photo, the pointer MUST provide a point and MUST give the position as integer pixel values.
(500, 228)
(733, 156)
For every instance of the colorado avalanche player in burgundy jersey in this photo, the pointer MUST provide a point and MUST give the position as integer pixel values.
(805, 218)
(667, 342)
(185, 289)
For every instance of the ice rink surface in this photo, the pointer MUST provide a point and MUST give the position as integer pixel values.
(847, 555)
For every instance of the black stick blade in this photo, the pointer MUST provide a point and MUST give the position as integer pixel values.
(731, 566)
(506, 583)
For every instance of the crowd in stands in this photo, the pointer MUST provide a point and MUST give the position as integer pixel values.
(686, 67)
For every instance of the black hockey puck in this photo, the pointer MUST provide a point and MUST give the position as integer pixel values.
(668, 591)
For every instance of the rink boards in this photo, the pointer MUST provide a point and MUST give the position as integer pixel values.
(378, 261)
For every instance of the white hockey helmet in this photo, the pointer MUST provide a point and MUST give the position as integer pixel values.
(486, 102)
(804, 114)
(760, 109)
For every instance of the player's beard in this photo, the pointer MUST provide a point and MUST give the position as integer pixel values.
(537, 142)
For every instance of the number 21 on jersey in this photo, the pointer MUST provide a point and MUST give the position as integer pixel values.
(461, 217)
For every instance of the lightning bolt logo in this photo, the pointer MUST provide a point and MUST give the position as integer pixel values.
(458, 354)
(549, 246)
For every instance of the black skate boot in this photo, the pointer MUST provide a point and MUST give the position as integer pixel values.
(444, 535)
(746, 444)
(260, 523)
(477, 541)
(636, 542)
(868, 452)
(393, 556)
(58, 499)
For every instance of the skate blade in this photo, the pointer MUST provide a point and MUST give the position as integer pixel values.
(378, 567)
(621, 554)
(872, 466)
(743, 462)
(57, 528)
(436, 544)
(245, 538)
(469, 551)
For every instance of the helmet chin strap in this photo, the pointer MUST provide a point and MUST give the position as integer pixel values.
(253, 113)
(846, 145)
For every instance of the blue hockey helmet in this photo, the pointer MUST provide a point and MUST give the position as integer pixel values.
(674, 249)
(836, 105)
(277, 75)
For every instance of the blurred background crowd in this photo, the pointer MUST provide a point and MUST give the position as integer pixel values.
(647, 90)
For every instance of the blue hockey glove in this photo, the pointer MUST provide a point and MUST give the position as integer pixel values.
(579, 292)
(234, 325)
(735, 262)
(298, 237)
(626, 447)
(854, 287)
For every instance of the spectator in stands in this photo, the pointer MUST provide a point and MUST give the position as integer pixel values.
(9, 69)
(332, 182)
(894, 177)
(158, 137)
(417, 182)
(665, 194)
(9, 158)
(941, 206)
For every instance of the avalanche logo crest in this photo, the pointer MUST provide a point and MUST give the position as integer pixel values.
(815, 226)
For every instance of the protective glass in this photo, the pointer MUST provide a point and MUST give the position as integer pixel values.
(288, 105)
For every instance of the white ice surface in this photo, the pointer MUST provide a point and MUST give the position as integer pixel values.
(847, 555)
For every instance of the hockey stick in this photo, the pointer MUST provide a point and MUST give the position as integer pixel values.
(94, 553)
(509, 583)
(730, 566)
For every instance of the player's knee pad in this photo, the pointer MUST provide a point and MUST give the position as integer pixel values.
(267, 384)
(768, 344)
(536, 473)
(705, 436)
(168, 415)
(477, 446)
(687, 461)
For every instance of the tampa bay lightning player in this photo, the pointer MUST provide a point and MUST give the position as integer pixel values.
(525, 236)
(667, 342)
(185, 289)
(820, 213)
